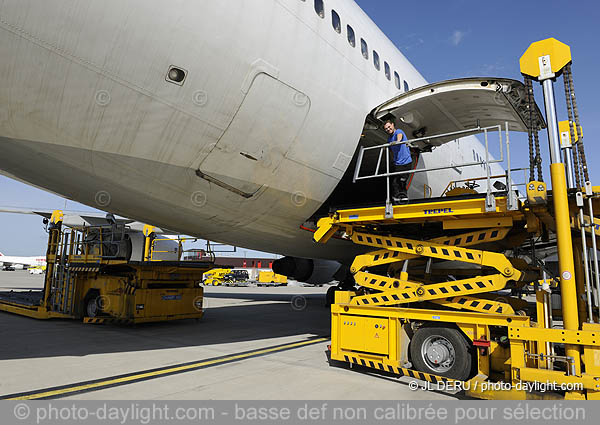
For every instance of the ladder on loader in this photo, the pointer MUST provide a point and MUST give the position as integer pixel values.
(449, 309)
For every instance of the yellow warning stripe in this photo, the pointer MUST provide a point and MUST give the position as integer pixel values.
(166, 371)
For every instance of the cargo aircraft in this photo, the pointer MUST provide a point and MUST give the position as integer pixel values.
(238, 121)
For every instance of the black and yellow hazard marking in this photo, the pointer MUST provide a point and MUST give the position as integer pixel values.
(414, 292)
(480, 305)
(120, 380)
(107, 321)
(395, 370)
(85, 268)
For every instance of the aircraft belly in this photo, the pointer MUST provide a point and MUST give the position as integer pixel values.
(249, 153)
(174, 198)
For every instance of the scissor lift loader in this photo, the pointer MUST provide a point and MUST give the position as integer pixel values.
(449, 307)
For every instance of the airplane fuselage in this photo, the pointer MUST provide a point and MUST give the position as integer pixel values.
(244, 150)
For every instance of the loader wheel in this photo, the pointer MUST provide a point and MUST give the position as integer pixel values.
(92, 309)
(441, 351)
(330, 296)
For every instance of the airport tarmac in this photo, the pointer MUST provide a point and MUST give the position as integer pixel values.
(253, 343)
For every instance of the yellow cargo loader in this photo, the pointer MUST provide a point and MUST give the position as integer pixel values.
(89, 277)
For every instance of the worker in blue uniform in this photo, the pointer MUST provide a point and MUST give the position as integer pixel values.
(401, 161)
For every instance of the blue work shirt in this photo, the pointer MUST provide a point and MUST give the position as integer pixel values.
(400, 153)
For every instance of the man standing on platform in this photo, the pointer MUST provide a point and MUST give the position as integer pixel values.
(401, 161)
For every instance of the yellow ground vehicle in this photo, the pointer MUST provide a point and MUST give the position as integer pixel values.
(443, 283)
(37, 270)
(269, 277)
(89, 277)
(215, 277)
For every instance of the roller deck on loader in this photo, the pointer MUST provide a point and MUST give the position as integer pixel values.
(455, 290)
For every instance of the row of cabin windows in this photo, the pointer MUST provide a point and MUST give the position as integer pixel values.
(336, 22)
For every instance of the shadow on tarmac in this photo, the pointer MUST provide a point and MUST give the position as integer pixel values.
(277, 315)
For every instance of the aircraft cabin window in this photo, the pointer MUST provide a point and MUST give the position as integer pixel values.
(320, 8)
(364, 48)
(406, 88)
(376, 60)
(351, 36)
(388, 73)
(397, 80)
(336, 21)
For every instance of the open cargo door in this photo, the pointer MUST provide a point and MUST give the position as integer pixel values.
(459, 105)
(433, 110)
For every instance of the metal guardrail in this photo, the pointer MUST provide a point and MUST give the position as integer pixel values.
(181, 250)
(503, 142)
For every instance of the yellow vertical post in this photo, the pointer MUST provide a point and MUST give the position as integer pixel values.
(542, 61)
(566, 264)
(51, 253)
(148, 230)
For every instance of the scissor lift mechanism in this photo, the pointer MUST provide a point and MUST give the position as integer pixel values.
(406, 320)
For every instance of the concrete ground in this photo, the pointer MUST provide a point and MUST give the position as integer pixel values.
(41, 354)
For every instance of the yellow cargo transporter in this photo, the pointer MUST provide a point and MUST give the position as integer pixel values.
(89, 277)
(453, 309)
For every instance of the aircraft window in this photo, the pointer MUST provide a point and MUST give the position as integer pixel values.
(386, 67)
(406, 88)
(336, 21)
(376, 60)
(351, 36)
(397, 80)
(320, 8)
(364, 48)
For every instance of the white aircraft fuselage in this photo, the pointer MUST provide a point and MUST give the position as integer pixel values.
(8, 260)
(243, 151)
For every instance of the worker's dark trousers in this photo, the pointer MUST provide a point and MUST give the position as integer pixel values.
(400, 182)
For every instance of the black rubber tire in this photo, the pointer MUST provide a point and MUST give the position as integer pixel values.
(461, 369)
(330, 295)
(91, 307)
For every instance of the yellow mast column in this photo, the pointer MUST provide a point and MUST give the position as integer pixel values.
(542, 61)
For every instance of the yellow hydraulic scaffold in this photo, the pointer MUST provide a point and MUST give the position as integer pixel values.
(449, 308)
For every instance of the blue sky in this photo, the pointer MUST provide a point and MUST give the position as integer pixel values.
(464, 38)
(443, 40)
